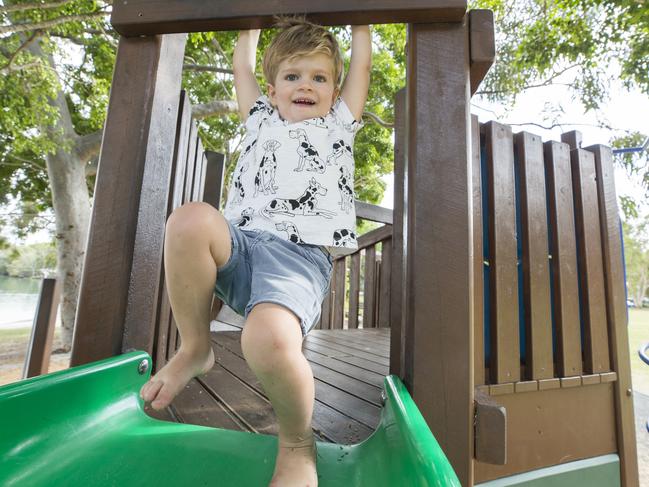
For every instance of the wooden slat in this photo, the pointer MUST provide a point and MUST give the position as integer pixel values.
(139, 132)
(505, 352)
(345, 357)
(383, 320)
(563, 245)
(37, 359)
(373, 213)
(369, 318)
(214, 179)
(439, 294)
(616, 312)
(397, 309)
(536, 272)
(483, 46)
(163, 321)
(338, 289)
(149, 17)
(199, 172)
(194, 405)
(591, 272)
(190, 163)
(354, 289)
(478, 258)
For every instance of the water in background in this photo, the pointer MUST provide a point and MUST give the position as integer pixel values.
(18, 301)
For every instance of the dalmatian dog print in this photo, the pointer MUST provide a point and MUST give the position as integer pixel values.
(304, 205)
(339, 148)
(296, 180)
(346, 189)
(291, 231)
(344, 237)
(265, 178)
(246, 218)
(307, 152)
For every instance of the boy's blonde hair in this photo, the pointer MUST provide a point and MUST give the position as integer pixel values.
(299, 37)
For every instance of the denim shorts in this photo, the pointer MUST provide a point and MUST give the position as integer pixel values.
(265, 268)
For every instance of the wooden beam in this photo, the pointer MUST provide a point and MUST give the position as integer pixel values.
(150, 17)
(439, 294)
(483, 45)
(138, 137)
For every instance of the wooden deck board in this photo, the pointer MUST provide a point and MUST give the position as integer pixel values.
(348, 367)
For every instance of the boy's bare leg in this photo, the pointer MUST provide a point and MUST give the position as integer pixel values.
(197, 240)
(272, 345)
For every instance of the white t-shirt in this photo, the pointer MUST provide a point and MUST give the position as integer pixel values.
(296, 180)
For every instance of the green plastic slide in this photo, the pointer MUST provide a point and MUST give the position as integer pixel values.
(86, 426)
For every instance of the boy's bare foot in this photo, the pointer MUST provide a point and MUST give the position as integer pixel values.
(173, 377)
(295, 465)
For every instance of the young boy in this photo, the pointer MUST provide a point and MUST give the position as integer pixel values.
(291, 199)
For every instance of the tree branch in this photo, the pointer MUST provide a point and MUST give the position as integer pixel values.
(47, 24)
(376, 119)
(547, 82)
(7, 68)
(213, 69)
(218, 107)
(32, 6)
(87, 146)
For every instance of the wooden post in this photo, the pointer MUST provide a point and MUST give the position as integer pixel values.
(439, 287)
(616, 313)
(37, 360)
(125, 239)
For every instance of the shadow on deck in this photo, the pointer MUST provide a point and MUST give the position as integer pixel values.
(348, 367)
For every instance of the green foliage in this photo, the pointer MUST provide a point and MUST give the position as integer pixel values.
(35, 260)
(636, 253)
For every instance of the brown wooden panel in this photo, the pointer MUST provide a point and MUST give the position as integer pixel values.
(505, 352)
(338, 289)
(439, 294)
(536, 271)
(369, 288)
(148, 17)
(398, 261)
(565, 287)
(483, 45)
(551, 427)
(616, 312)
(37, 359)
(183, 130)
(591, 272)
(190, 163)
(214, 179)
(478, 256)
(199, 172)
(145, 85)
(354, 289)
(383, 320)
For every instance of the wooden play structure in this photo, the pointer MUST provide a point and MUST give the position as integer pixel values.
(494, 290)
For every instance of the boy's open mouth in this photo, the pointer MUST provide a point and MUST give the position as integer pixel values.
(304, 101)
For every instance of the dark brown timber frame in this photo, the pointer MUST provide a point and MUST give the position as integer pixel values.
(434, 314)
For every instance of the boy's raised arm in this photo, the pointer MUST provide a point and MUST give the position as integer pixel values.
(243, 65)
(357, 81)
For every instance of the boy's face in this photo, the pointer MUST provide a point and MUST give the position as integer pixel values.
(304, 88)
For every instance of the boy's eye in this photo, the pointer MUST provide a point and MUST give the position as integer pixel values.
(320, 78)
(290, 77)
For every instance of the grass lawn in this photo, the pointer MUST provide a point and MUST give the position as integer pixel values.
(639, 335)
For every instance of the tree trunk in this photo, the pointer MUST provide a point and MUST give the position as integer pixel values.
(71, 206)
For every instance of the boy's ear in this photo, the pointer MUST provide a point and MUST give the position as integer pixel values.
(271, 94)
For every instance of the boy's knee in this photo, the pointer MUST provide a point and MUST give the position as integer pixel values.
(192, 219)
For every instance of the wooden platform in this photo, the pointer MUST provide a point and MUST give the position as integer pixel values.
(348, 366)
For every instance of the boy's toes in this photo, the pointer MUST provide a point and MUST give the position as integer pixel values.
(163, 399)
(150, 390)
